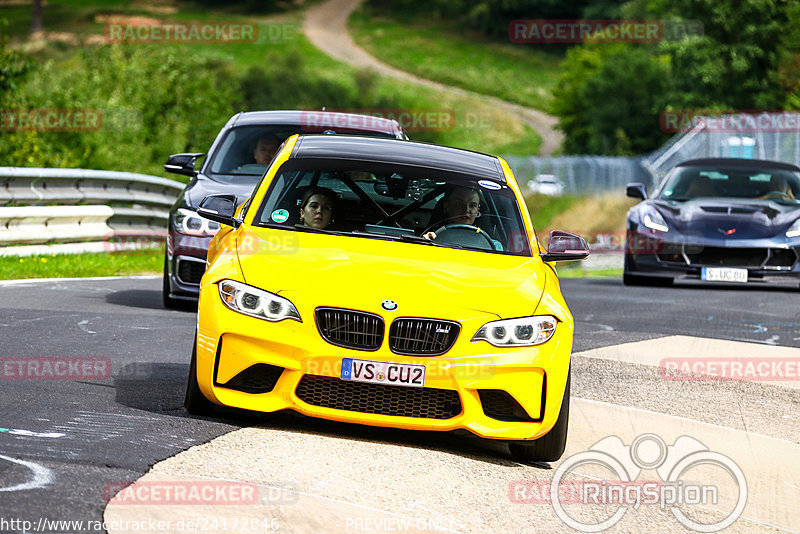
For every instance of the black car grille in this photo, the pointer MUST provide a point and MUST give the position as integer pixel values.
(425, 403)
(259, 378)
(753, 258)
(500, 405)
(428, 337)
(742, 257)
(781, 258)
(350, 328)
(190, 272)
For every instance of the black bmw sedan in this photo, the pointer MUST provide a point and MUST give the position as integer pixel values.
(235, 163)
(717, 220)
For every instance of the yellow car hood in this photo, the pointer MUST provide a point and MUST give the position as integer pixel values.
(360, 273)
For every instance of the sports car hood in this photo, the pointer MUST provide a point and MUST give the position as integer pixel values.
(730, 218)
(360, 273)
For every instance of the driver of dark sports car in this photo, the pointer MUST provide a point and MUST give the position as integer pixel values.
(779, 187)
(461, 205)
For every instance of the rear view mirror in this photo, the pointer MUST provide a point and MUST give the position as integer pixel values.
(564, 246)
(636, 190)
(219, 208)
(183, 163)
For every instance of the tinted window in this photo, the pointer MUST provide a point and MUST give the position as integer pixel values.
(378, 201)
(687, 183)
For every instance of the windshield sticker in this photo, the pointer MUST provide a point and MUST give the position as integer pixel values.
(488, 184)
(280, 216)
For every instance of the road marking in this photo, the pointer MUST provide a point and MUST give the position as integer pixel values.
(31, 434)
(82, 325)
(42, 476)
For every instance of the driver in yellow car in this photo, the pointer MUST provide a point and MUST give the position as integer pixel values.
(460, 205)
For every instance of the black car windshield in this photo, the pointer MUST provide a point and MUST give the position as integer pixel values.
(246, 151)
(409, 204)
(688, 183)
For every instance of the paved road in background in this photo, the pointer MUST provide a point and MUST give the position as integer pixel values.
(63, 442)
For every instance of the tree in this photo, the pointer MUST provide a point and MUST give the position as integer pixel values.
(36, 12)
(733, 65)
(609, 98)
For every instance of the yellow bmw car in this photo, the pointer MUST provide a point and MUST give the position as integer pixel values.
(389, 283)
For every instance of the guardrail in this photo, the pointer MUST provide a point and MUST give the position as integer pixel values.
(81, 210)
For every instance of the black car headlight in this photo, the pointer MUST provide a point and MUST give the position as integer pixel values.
(187, 221)
(521, 332)
(256, 302)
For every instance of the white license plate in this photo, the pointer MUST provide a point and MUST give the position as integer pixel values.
(394, 374)
(722, 274)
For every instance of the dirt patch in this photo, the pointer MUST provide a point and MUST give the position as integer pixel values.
(132, 20)
(590, 215)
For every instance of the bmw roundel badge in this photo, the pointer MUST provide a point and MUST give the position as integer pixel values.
(389, 305)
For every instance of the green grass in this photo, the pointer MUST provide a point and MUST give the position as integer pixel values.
(82, 265)
(574, 270)
(445, 52)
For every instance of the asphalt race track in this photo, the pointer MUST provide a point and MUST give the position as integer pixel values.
(67, 445)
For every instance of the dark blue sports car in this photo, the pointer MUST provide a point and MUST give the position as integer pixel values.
(717, 220)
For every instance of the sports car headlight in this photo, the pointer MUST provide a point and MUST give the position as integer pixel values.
(522, 332)
(652, 219)
(256, 302)
(794, 230)
(188, 222)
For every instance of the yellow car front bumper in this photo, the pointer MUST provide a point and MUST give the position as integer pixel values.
(466, 388)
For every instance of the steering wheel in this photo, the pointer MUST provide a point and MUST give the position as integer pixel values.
(464, 227)
(781, 194)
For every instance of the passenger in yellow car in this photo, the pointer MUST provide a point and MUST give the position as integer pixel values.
(316, 209)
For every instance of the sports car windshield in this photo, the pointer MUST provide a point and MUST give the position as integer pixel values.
(688, 183)
(246, 151)
(379, 201)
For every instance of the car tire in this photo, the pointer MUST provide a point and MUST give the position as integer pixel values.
(637, 280)
(549, 447)
(169, 302)
(195, 402)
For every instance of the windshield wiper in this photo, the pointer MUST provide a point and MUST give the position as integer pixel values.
(423, 241)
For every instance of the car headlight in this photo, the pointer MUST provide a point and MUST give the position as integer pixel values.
(794, 230)
(652, 219)
(188, 222)
(522, 332)
(256, 302)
